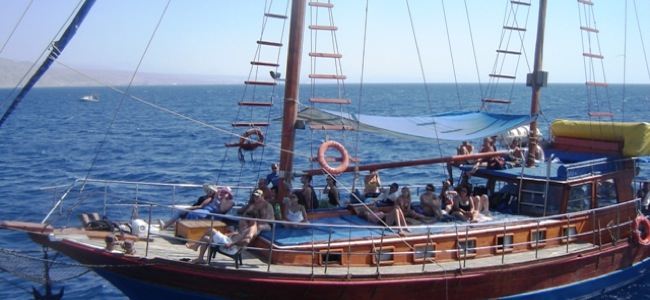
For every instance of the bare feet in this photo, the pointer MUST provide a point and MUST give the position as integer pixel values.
(198, 261)
(193, 246)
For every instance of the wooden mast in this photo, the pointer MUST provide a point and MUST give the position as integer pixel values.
(536, 81)
(291, 94)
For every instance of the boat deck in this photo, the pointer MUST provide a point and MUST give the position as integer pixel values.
(172, 249)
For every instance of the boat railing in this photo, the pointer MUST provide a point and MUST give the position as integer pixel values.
(141, 200)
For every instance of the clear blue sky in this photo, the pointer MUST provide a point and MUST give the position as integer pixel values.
(218, 37)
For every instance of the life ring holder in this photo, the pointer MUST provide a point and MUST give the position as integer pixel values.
(251, 139)
(344, 159)
(641, 230)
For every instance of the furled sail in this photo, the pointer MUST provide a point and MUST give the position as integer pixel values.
(57, 48)
(456, 126)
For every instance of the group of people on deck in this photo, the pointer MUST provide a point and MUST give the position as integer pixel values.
(393, 206)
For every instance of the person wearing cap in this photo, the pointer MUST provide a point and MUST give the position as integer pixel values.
(273, 178)
(260, 208)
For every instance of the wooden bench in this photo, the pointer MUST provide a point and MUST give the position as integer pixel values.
(193, 230)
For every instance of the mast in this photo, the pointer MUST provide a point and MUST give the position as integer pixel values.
(291, 94)
(536, 80)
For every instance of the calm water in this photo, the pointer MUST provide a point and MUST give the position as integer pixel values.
(53, 138)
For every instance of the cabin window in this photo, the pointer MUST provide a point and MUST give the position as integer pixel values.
(606, 194)
(569, 233)
(579, 197)
(504, 197)
(385, 255)
(532, 199)
(537, 238)
(467, 248)
(424, 252)
(505, 243)
(331, 257)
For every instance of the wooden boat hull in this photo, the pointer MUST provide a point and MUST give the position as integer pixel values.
(568, 276)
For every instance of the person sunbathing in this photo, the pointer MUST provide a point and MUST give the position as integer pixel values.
(230, 244)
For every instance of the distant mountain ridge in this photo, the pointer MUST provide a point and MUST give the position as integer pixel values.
(11, 73)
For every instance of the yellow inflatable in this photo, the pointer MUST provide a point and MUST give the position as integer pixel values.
(635, 136)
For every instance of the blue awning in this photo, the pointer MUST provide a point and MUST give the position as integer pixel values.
(455, 126)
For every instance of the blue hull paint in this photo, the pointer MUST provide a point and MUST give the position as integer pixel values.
(591, 287)
(136, 289)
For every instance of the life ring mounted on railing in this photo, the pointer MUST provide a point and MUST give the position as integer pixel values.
(641, 230)
(323, 160)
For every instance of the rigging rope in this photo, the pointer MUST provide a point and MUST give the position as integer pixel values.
(13, 30)
(471, 37)
(119, 106)
(417, 49)
(451, 55)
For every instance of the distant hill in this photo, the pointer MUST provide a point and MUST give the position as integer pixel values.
(57, 76)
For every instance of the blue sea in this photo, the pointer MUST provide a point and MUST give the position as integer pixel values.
(176, 134)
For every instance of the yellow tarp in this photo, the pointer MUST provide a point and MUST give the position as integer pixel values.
(635, 136)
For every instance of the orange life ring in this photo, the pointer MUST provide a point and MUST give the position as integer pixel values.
(251, 139)
(322, 160)
(641, 230)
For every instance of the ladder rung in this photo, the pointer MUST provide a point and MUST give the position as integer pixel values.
(267, 43)
(585, 28)
(592, 55)
(321, 4)
(330, 100)
(326, 76)
(250, 124)
(261, 63)
(254, 103)
(593, 83)
(601, 114)
(503, 76)
(328, 55)
(587, 2)
(249, 82)
(520, 3)
(493, 100)
(329, 127)
(509, 52)
(514, 28)
(323, 27)
(270, 15)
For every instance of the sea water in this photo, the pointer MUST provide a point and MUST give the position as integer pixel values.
(176, 134)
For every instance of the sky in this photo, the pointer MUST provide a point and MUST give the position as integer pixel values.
(218, 37)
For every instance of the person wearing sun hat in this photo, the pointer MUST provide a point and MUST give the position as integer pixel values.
(202, 205)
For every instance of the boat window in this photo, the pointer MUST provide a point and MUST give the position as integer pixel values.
(504, 197)
(569, 233)
(579, 197)
(424, 252)
(331, 257)
(532, 199)
(537, 238)
(467, 248)
(606, 194)
(504, 243)
(384, 255)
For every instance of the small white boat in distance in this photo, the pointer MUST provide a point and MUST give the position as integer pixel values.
(90, 98)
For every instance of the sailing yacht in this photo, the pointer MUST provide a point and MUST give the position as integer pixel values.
(563, 227)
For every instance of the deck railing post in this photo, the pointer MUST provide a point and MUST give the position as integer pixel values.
(568, 232)
(313, 252)
(379, 253)
(105, 198)
(268, 264)
(327, 254)
(537, 240)
(349, 250)
(146, 251)
(426, 249)
(593, 226)
(460, 265)
(503, 247)
(618, 224)
(466, 246)
(171, 211)
(600, 237)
